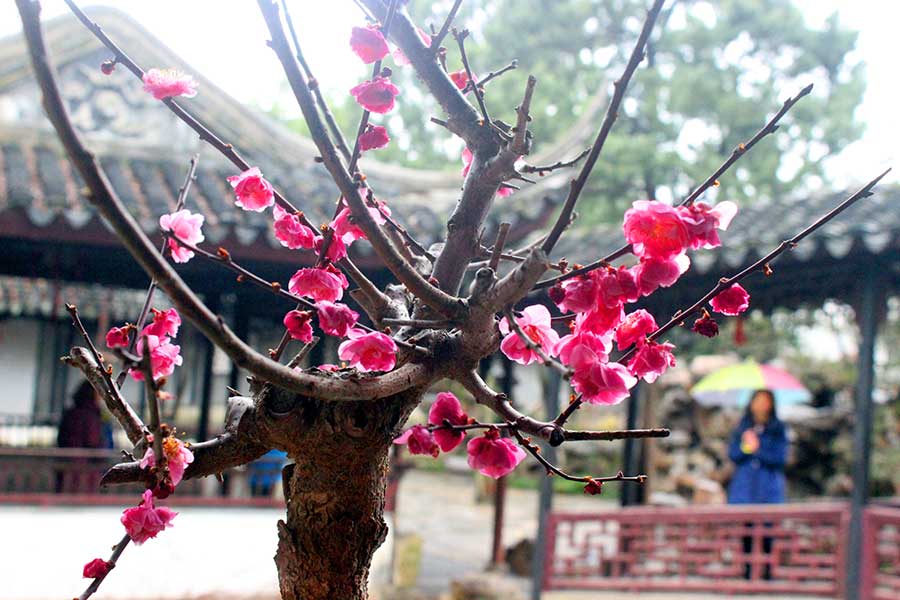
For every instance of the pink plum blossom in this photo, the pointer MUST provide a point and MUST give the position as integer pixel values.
(95, 568)
(447, 408)
(706, 326)
(368, 43)
(337, 249)
(419, 440)
(595, 378)
(651, 360)
(655, 230)
(615, 286)
(599, 345)
(335, 318)
(318, 284)
(252, 191)
(165, 323)
(297, 324)
(653, 273)
(368, 351)
(601, 321)
(731, 301)
(178, 457)
(185, 226)
(164, 357)
(702, 221)
(344, 224)
(167, 83)
(401, 58)
(460, 79)
(635, 328)
(535, 323)
(117, 337)
(578, 294)
(376, 95)
(373, 138)
(492, 455)
(145, 521)
(291, 232)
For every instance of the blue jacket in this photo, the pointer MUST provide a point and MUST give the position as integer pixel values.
(759, 477)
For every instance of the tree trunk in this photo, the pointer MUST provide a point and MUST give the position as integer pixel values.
(335, 496)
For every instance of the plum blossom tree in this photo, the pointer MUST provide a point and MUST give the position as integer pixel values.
(338, 423)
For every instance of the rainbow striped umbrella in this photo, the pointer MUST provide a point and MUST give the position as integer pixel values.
(732, 386)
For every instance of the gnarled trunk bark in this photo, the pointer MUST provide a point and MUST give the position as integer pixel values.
(335, 495)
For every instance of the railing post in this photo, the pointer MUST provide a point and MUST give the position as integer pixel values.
(869, 310)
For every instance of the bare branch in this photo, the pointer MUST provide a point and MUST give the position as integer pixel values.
(110, 565)
(497, 251)
(97, 376)
(127, 229)
(562, 164)
(612, 112)
(439, 37)
(394, 261)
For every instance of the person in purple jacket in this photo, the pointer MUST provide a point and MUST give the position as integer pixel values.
(758, 449)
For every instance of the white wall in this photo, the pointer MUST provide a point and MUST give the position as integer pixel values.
(18, 365)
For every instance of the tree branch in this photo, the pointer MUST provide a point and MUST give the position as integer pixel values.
(107, 202)
(394, 261)
(612, 112)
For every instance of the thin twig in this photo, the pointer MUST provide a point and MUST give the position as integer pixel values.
(202, 130)
(470, 85)
(110, 565)
(562, 164)
(314, 86)
(439, 37)
(460, 37)
(497, 251)
(612, 112)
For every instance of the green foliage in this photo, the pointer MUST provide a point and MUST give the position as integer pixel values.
(715, 72)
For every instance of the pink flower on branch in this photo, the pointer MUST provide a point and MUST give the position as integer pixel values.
(344, 224)
(164, 357)
(615, 286)
(419, 440)
(651, 360)
(335, 318)
(291, 232)
(535, 323)
(654, 273)
(447, 408)
(492, 455)
(95, 568)
(731, 301)
(706, 326)
(460, 79)
(185, 226)
(165, 323)
(297, 323)
(145, 521)
(599, 345)
(368, 351)
(601, 321)
(337, 249)
(655, 230)
(376, 95)
(578, 294)
(595, 378)
(635, 328)
(373, 138)
(117, 337)
(178, 457)
(368, 43)
(702, 221)
(318, 284)
(252, 191)
(168, 83)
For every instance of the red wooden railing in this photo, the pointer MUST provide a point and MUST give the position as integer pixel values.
(773, 549)
(881, 553)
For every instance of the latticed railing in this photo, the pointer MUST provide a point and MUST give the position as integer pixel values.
(881, 553)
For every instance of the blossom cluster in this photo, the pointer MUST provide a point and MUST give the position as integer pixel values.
(155, 338)
(489, 454)
(660, 236)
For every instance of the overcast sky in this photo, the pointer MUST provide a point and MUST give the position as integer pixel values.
(224, 41)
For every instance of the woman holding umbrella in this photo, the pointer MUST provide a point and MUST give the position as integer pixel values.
(759, 450)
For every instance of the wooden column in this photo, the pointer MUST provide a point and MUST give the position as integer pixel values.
(497, 550)
(870, 309)
(206, 390)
